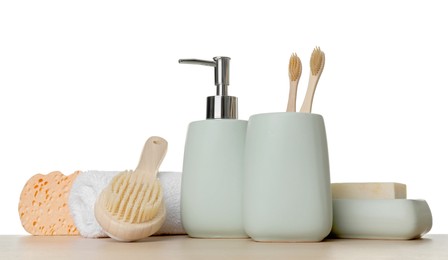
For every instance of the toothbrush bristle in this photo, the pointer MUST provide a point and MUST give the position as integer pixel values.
(295, 67)
(317, 61)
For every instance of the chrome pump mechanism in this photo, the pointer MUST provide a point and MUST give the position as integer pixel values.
(220, 106)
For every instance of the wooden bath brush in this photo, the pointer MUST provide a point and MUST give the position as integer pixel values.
(131, 207)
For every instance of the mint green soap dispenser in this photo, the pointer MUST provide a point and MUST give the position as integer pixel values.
(212, 178)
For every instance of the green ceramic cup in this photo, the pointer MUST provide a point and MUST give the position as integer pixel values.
(286, 194)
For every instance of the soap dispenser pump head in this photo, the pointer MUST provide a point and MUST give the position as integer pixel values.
(222, 75)
(220, 106)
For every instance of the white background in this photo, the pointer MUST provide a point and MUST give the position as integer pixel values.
(83, 84)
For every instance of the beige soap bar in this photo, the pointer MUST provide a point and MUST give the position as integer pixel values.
(43, 205)
(369, 190)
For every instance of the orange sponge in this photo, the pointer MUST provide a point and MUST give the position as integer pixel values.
(43, 205)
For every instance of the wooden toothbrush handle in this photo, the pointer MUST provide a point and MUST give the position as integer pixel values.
(308, 101)
(292, 96)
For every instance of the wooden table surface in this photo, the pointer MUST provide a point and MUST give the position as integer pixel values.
(182, 247)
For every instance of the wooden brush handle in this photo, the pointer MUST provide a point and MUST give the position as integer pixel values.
(292, 96)
(152, 156)
(308, 100)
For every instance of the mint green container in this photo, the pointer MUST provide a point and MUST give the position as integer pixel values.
(212, 180)
(286, 192)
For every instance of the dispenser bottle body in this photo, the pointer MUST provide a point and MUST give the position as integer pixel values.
(212, 180)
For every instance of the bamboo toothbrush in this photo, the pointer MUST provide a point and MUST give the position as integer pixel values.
(317, 63)
(295, 70)
(131, 207)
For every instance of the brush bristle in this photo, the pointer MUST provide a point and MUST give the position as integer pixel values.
(295, 67)
(317, 61)
(132, 199)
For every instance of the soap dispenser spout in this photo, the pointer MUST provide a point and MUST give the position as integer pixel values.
(220, 106)
(222, 68)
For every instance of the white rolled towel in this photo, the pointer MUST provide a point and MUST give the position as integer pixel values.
(89, 184)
